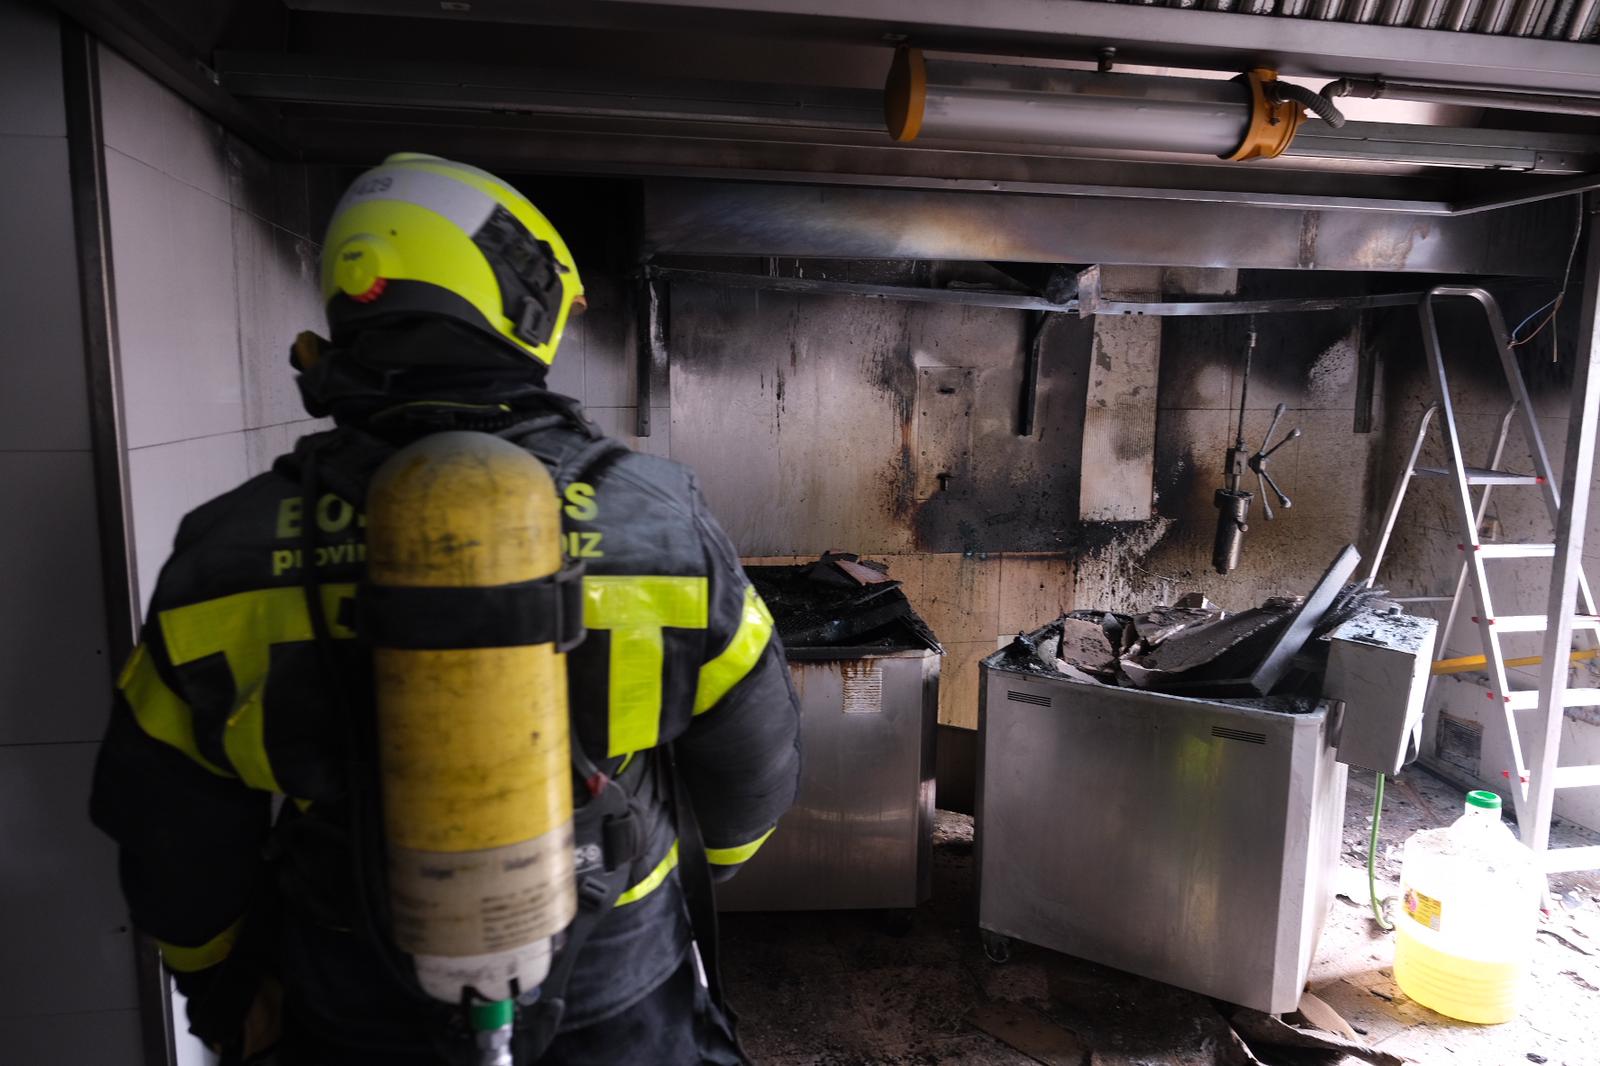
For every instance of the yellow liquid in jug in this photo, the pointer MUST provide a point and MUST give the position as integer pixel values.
(1473, 990)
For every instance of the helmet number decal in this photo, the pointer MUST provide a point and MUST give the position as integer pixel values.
(371, 186)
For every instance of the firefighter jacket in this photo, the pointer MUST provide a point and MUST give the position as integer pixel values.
(224, 770)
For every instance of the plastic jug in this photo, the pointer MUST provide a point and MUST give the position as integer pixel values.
(1470, 895)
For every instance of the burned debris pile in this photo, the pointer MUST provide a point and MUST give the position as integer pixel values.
(841, 600)
(1193, 647)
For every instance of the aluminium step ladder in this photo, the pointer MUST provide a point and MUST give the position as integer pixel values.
(1571, 608)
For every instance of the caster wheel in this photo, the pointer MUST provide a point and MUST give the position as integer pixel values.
(896, 923)
(996, 946)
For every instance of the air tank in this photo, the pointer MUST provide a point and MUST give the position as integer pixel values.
(474, 761)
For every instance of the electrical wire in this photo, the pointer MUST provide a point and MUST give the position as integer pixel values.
(1554, 306)
(1372, 858)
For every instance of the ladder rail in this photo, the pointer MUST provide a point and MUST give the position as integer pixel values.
(1549, 486)
(1566, 578)
(1496, 454)
(1465, 512)
(1398, 496)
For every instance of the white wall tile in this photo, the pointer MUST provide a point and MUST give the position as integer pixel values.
(54, 677)
(276, 276)
(608, 347)
(1580, 746)
(272, 190)
(101, 1038)
(30, 71)
(43, 398)
(166, 482)
(75, 948)
(566, 373)
(147, 121)
(263, 446)
(177, 315)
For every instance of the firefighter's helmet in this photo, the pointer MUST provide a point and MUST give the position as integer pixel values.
(421, 235)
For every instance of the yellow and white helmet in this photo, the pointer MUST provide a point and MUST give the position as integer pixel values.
(423, 235)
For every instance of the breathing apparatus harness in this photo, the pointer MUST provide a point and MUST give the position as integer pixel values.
(607, 825)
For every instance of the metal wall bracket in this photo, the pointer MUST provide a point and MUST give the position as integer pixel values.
(1091, 302)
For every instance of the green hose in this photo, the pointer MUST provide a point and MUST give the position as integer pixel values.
(1372, 858)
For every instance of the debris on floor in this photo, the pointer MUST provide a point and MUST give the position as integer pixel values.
(1030, 1032)
(841, 600)
(853, 988)
(1270, 1035)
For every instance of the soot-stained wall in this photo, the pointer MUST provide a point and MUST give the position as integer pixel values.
(820, 423)
(1311, 363)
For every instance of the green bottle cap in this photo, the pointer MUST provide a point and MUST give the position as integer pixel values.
(1489, 801)
(489, 1015)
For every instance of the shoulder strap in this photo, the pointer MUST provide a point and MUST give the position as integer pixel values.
(694, 870)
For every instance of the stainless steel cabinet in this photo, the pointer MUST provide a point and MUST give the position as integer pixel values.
(1186, 840)
(860, 834)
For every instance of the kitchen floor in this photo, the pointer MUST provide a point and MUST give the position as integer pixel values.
(853, 988)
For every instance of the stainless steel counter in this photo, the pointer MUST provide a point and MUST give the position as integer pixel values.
(860, 834)
(1186, 840)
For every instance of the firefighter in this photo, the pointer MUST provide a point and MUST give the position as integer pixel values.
(236, 774)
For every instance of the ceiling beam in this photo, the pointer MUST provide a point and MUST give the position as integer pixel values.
(1073, 29)
(141, 34)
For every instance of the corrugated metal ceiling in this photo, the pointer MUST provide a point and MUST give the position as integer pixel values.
(1559, 20)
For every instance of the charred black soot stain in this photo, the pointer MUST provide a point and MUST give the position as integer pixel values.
(899, 481)
(1131, 441)
(1183, 479)
(1092, 538)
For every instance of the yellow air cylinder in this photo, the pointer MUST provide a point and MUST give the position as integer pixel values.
(474, 760)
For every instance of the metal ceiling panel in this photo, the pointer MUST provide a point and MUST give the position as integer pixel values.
(1512, 44)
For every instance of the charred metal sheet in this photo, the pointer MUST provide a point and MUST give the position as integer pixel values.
(650, 347)
(801, 415)
(1037, 323)
(798, 415)
(728, 218)
(868, 290)
(945, 398)
(840, 602)
(1022, 492)
(1276, 662)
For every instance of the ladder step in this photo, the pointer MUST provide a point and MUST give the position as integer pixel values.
(1423, 599)
(1577, 776)
(1536, 623)
(1511, 551)
(1568, 860)
(1477, 475)
(1528, 699)
(1469, 663)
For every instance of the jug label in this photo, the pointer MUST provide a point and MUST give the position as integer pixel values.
(1423, 909)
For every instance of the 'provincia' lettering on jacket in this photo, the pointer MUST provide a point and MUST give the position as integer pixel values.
(335, 515)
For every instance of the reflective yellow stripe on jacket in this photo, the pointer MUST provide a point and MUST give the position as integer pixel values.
(635, 610)
(652, 880)
(736, 855)
(718, 676)
(243, 628)
(158, 710)
(188, 960)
